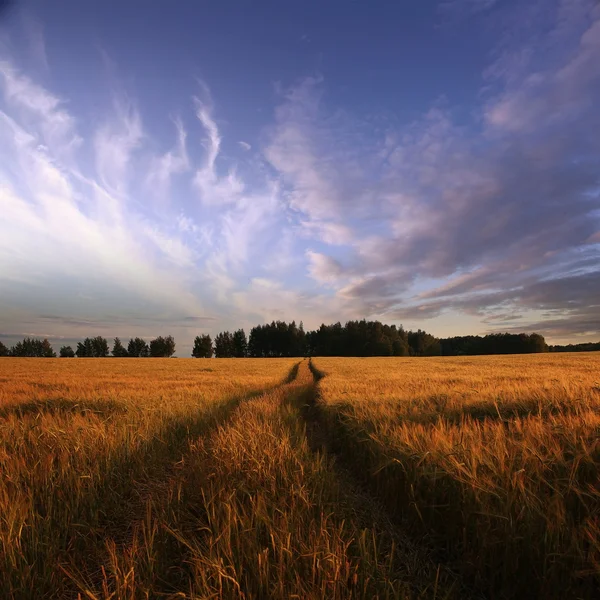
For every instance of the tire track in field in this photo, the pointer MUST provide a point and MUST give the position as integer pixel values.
(431, 577)
(254, 513)
(164, 458)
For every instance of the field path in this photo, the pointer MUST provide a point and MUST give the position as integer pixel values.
(64, 553)
(418, 556)
(246, 501)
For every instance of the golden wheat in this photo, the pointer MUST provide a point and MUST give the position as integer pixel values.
(253, 513)
(497, 457)
(123, 479)
(83, 443)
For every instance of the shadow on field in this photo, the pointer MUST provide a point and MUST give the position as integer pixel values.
(500, 554)
(103, 509)
(62, 405)
(435, 410)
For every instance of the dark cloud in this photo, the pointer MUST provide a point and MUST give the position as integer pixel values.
(569, 304)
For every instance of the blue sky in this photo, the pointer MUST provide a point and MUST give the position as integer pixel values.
(177, 168)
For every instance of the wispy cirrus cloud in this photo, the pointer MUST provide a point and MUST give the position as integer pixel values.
(174, 162)
(115, 142)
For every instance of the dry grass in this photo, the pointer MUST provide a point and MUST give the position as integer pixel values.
(253, 513)
(84, 443)
(497, 457)
(132, 479)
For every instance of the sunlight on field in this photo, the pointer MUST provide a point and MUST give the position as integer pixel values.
(368, 478)
(497, 457)
(83, 443)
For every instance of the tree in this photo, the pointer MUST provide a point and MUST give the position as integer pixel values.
(137, 348)
(494, 343)
(423, 344)
(240, 344)
(118, 350)
(96, 347)
(162, 347)
(4, 351)
(31, 348)
(84, 349)
(100, 347)
(66, 352)
(203, 347)
(400, 347)
(224, 345)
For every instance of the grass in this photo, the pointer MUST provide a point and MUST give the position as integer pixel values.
(253, 513)
(84, 443)
(368, 478)
(497, 459)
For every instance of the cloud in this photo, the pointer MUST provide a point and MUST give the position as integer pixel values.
(323, 268)
(65, 231)
(34, 30)
(311, 152)
(173, 162)
(213, 189)
(497, 202)
(115, 143)
(244, 145)
(172, 248)
(328, 232)
(40, 110)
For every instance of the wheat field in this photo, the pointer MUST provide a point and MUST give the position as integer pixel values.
(286, 478)
(497, 459)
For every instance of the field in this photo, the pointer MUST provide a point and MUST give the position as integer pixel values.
(281, 478)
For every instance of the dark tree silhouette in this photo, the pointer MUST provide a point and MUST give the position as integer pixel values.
(281, 339)
(277, 339)
(203, 347)
(66, 352)
(84, 349)
(118, 350)
(100, 347)
(224, 345)
(96, 347)
(162, 347)
(494, 343)
(32, 348)
(240, 344)
(137, 348)
(583, 347)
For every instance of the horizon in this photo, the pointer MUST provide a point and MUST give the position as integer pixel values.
(74, 343)
(213, 167)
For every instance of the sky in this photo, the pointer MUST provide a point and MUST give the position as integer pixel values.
(190, 167)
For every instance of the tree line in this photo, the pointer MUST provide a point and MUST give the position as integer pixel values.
(583, 347)
(282, 339)
(94, 347)
(358, 338)
(494, 343)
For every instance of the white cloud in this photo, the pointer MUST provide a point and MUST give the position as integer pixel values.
(173, 162)
(56, 226)
(172, 248)
(213, 189)
(323, 268)
(115, 143)
(41, 110)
